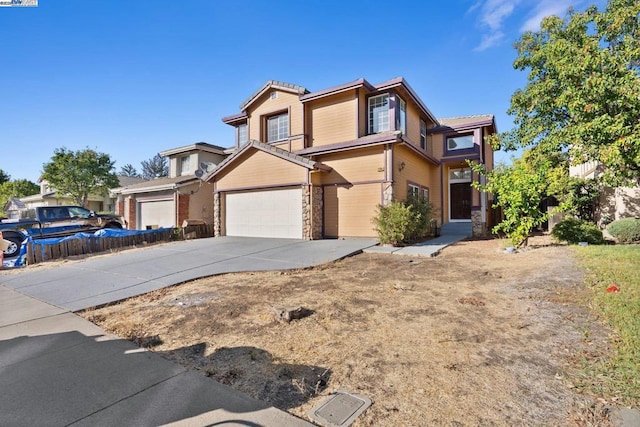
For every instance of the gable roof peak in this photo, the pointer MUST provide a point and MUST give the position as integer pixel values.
(273, 84)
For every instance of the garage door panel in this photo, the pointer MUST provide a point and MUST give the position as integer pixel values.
(158, 213)
(273, 213)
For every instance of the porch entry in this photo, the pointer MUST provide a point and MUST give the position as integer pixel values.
(460, 195)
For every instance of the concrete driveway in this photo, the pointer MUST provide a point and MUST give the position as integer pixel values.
(57, 369)
(101, 280)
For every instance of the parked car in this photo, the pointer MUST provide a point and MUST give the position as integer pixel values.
(54, 221)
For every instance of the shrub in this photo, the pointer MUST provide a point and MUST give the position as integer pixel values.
(423, 209)
(394, 223)
(573, 230)
(625, 230)
(402, 222)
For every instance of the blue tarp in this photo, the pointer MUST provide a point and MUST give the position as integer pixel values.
(20, 260)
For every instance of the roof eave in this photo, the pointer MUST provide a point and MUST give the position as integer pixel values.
(400, 81)
(337, 89)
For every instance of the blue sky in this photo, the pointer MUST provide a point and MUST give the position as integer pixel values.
(132, 78)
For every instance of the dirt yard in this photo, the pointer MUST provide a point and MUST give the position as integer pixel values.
(473, 336)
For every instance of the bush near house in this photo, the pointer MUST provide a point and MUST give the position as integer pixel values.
(625, 230)
(402, 222)
(573, 230)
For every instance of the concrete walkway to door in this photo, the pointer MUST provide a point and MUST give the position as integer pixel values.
(101, 280)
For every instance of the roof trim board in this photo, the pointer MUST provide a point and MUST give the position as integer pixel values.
(283, 154)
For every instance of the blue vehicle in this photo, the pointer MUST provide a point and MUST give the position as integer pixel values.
(54, 221)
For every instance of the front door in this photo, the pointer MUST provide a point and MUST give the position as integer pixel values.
(460, 200)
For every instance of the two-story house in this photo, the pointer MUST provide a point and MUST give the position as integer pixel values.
(168, 201)
(317, 164)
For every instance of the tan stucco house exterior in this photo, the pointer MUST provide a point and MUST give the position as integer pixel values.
(168, 201)
(316, 165)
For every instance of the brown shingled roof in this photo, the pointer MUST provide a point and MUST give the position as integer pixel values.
(465, 120)
(288, 87)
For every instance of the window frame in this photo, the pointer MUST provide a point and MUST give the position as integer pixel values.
(418, 191)
(401, 115)
(474, 148)
(183, 170)
(277, 116)
(245, 126)
(423, 134)
(372, 129)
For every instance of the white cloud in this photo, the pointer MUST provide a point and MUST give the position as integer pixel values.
(546, 8)
(489, 40)
(493, 13)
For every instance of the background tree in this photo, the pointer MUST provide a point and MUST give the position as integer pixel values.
(129, 170)
(583, 90)
(155, 167)
(4, 177)
(17, 188)
(80, 173)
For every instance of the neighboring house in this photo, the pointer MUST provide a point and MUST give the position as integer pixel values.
(13, 207)
(49, 196)
(316, 165)
(615, 203)
(167, 202)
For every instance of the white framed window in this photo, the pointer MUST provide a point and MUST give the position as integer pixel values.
(242, 134)
(401, 116)
(379, 113)
(277, 127)
(413, 191)
(425, 194)
(423, 135)
(464, 142)
(460, 174)
(184, 165)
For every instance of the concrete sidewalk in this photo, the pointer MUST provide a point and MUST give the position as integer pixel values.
(57, 369)
(428, 248)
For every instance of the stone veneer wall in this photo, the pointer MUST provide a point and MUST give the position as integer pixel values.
(317, 217)
(478, 228)
(387, 193)
(217, 220)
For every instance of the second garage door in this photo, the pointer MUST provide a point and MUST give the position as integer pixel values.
(273, 213)
(156, 213)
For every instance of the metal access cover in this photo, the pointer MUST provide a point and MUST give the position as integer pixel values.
(339, 410)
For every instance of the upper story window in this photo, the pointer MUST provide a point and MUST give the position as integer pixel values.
(423, 135)
(464, 142)
(379, 113)
(184, 165)
(243, 135)
(401, 117)
(277, 127)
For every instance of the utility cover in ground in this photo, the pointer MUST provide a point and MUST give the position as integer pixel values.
(340, 410)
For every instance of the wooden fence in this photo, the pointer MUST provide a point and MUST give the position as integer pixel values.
(37, 253)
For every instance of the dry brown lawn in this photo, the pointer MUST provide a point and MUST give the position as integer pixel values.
(473, 336)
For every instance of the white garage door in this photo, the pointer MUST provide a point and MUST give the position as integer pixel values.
(157, 213)
(274, 213)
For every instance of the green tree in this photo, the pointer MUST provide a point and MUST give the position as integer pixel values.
(4, 177)
(519, 190)
(155, 167)
(583, 90)
(129, 170)
(80, 173)
(17, 188)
